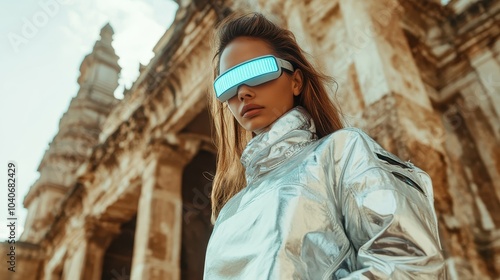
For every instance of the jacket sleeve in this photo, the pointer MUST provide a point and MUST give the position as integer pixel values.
(388, 214)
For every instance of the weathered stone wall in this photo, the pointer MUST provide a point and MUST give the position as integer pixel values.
(420, 78)
(423, 80)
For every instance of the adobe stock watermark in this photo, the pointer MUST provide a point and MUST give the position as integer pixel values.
(30, 27)
(123, 274)
(201, 201)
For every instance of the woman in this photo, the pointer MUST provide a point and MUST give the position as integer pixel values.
(296, 195)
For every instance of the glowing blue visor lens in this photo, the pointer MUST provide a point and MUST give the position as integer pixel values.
(252, 72)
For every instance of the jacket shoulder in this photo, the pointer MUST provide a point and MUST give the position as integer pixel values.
(347, 142)
(356, 152)
(355, 135)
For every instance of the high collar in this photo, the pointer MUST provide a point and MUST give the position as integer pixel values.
(279, 141)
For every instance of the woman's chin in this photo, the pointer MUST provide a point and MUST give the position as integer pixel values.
(258, 129)
(256, 124)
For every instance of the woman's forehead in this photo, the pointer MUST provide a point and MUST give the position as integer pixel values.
(242, 49)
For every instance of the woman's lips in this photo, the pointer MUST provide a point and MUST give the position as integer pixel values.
(252, 112)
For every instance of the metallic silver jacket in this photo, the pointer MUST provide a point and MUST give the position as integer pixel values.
(336, 208)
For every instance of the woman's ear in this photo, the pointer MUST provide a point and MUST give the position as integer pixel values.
(297, 81)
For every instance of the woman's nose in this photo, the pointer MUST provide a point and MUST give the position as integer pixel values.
(245, 92)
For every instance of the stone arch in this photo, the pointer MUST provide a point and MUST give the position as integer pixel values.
(117, 261)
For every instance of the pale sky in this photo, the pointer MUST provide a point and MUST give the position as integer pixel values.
(42, 44)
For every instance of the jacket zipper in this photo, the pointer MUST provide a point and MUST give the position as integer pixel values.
(408, 181)
(401, 176)
(392, 161)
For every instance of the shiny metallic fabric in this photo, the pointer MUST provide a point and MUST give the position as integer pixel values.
(340, 207)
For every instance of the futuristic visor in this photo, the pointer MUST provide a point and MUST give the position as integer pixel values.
(252, 72)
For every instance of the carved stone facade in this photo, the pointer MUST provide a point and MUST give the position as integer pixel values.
(123, 189)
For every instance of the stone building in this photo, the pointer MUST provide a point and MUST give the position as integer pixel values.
(124, 187)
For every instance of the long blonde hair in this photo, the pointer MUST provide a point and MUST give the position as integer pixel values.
(230, 138)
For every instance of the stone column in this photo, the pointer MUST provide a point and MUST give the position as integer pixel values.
(382, 57)
(396, 103)
(88, 257)
(56, 264)
(157, 245)
(488, 70)
(76, 261)
(99, 235)
(473, 106)
(397, 108)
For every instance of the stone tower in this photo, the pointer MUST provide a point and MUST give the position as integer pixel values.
(79, 129)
